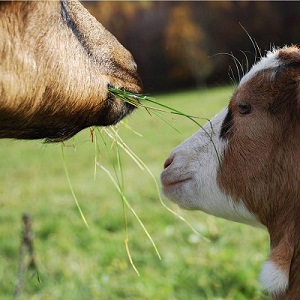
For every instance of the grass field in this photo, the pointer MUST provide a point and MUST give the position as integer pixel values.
(76, 262)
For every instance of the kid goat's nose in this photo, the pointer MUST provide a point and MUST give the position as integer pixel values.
(169, 161)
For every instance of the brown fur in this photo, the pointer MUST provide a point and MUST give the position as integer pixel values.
(261, 165)
(56, 64)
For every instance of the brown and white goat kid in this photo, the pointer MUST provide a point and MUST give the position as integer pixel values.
(252, 172)
(56, 62)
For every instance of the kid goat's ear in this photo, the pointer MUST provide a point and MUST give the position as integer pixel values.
(290, 57)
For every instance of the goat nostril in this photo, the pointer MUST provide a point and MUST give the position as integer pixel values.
(168, 161)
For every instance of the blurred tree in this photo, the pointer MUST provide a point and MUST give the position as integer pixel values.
(115, 16)
(185, 46)
(176, 44)
(139, 25)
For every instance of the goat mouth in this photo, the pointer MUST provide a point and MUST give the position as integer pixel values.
(113, 111)
(171, 178)
(172, 189)
(114, 100)
(167, 185)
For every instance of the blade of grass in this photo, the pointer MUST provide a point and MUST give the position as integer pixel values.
(137, 99)
(126, 149)
(164, 120)
(124, 123)
(126, 240)
(71, 187)
(124, 146)
(130, 208)
(94, 140)
(119, 184)
(121, 188)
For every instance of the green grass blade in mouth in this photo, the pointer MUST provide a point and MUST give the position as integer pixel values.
(140, 100)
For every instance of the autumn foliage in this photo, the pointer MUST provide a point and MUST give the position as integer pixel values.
(180, 44)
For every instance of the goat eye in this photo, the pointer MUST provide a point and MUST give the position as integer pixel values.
(244, 108)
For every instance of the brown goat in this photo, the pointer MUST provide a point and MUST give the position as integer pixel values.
(251, 171)
(56, 64)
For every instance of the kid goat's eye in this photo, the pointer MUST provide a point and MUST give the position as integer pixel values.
(244, 108)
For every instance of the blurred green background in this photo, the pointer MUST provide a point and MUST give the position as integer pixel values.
(76, 262)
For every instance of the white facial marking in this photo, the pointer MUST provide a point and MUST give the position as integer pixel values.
(268, 62)
(190, 178)
(274, 280)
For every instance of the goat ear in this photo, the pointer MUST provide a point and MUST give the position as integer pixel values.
(289, 55)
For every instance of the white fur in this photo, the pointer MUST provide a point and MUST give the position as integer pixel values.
(196, 160)
(270, 61)
(274, 280)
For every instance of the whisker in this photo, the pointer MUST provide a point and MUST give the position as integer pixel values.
(231, 76)
(247, 61)
(238, 65)
(254, 44)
